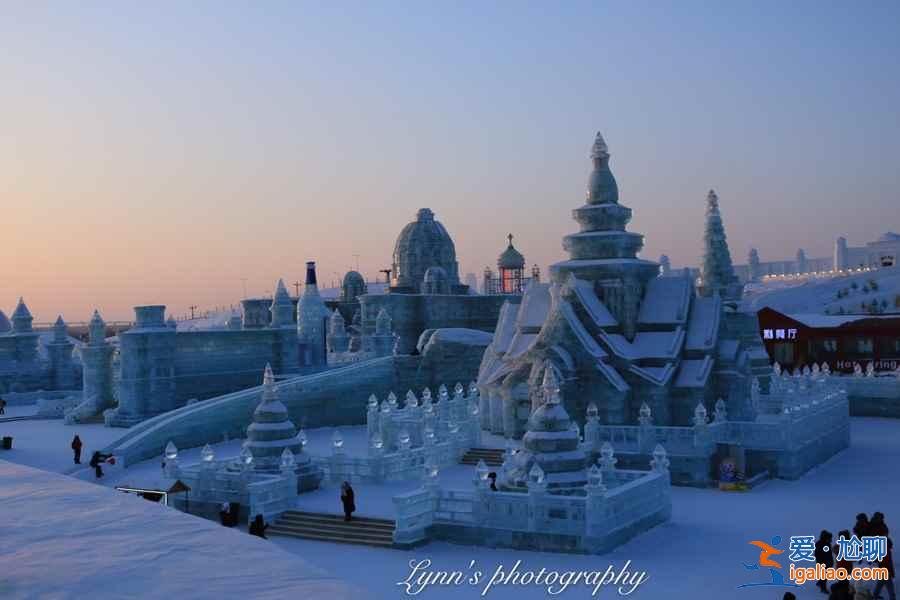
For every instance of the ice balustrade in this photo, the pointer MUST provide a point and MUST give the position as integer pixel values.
(404, 439)
(611, 500)
(797, 410)
(213, 482)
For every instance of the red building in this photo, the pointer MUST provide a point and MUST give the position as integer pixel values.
(800, 340)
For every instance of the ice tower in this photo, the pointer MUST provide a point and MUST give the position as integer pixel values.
(603, 252)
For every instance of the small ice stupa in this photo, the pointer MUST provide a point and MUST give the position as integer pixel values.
(271, 431)
(551, 444)
(272, 434)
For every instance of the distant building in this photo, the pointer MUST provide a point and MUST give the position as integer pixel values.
(425, 292)
(840, 341)
(510, 277)
(615, 334)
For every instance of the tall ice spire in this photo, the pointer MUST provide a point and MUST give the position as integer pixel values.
(311, 316)
(717, 272)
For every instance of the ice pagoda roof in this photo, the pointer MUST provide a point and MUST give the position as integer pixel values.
(584, 336)
(656, 375)
(534, 308)
(598, 312)
(667, 300)
(647, 344)
(506, 327)
(694, 373)
(520, 344)
(703, 324)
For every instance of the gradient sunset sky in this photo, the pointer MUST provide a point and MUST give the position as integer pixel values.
(160, 152)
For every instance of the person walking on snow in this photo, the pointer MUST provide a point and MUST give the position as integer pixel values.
(76, 449)
(258, 527)
(348, 500)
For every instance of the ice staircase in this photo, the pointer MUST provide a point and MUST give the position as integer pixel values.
(492, 457)
(364, 531)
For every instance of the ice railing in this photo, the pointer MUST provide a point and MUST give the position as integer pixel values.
(611, 499)
(213, 482)
(404, 440)
(796, 411)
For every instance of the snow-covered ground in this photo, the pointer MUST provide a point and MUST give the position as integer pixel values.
(700, 553)
(816, 295)
(63, 538)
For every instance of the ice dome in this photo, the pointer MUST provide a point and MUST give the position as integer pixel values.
(354, 285)
(5, 325)
(511, 258)
(422, 244)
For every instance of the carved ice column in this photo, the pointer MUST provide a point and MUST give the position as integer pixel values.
(496, 411)
(484, 406)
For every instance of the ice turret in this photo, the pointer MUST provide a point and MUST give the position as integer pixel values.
(381, 343)
(21, 318)
(338, 340)
(665, 265)
(97, 329)
(59, 350)
(97, 380)
(60, 336)
(282, 307)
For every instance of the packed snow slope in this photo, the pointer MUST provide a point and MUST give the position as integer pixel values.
(818, 295)
(64, 538)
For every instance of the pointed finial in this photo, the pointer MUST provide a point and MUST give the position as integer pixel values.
(268, 376)
(509, 237)
(280, 290)
(599, 150)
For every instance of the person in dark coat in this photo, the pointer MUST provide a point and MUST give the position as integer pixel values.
(76, 449)
(841, 591)
(97, 458)
(877, 526)
(348, 500)
(824, 556)
(888, 563)
(2, 406)
(258, 527)
(493, 477)
(788, 596)
(862, 525)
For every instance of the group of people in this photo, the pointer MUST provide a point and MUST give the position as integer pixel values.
(258, 526)
(827, 553)
(97, 458)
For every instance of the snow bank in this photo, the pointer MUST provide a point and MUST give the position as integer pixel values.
(63, 538)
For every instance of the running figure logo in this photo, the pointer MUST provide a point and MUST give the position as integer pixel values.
(765, 552)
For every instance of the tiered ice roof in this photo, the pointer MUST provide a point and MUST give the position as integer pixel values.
(551, 445)
(609, 312)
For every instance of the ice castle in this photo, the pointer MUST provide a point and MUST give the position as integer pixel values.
(632, 349)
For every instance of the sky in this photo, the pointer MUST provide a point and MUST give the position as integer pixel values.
(173, 152)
